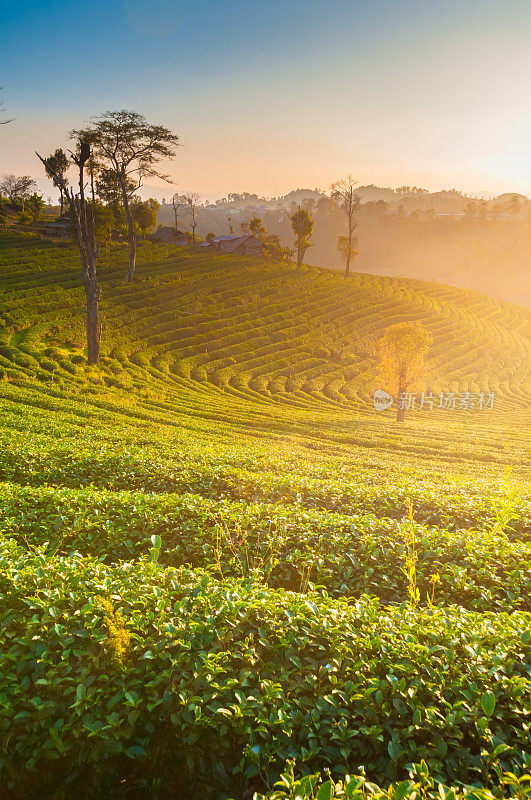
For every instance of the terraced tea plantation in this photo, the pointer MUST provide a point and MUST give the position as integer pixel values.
(218, 563)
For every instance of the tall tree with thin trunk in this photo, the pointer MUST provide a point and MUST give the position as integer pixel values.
(345, 195)
(178, 201)
(347, 249)
(192, 206)
(93, 168)
(403, 350)
(133, 149)
(88, 249)
(57, 165)
(302, 225)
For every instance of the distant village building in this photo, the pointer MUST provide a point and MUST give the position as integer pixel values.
(60, 227)
(245, 244)
(169, 235)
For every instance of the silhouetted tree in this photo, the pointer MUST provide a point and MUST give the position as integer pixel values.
(302, 225)
(133, 148)
(192, 206)
(178, 201)
(347, 249)
(109, 191)
(88, 249)
(17, 187)
(345, 195)
(58, 164)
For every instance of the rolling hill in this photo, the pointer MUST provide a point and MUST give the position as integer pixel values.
(217, 557)
(250, 331)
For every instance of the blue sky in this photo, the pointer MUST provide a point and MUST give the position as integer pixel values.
(270, 96)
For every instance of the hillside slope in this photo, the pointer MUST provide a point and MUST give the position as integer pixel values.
(249, 330)
(204, 541)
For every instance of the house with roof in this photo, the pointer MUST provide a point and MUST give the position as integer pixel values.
(60, 227)
(169, 235)
(244, 244)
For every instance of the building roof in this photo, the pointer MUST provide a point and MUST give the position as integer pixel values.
(234, 241)
(170, 228)
(64, 219)
(168, 232)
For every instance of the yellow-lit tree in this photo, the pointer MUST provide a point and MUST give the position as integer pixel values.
(403, 350)
(347, 249)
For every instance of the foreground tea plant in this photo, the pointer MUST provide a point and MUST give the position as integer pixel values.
(420, 785)
(221, 682)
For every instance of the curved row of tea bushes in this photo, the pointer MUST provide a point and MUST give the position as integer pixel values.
(290, 546)
(250, 328)
(35, 462)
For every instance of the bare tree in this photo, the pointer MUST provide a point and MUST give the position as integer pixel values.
(345, 195)
(178, 201)
(192, 205)
(83, 222)
(133, 148)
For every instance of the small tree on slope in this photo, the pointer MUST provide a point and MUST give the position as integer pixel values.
(57, 165)
(302, 225)
(345, 195)
(403, 350)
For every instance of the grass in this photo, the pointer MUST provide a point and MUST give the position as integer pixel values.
(215, 557)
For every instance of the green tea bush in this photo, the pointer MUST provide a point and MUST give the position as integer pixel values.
(203, 539)
(218, 683)
(348, 555)
(419, 785)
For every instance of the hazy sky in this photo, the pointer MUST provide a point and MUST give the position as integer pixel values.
(270, 96)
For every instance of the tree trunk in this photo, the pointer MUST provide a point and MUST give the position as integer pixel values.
(400, 412)
(92, 293)
(88, 250)
(62, 202)
(130, 226)
(299, 253)
(349, 251)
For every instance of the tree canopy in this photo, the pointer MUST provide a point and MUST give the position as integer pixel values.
(403, 350)
(302, 225)
(133, 148)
